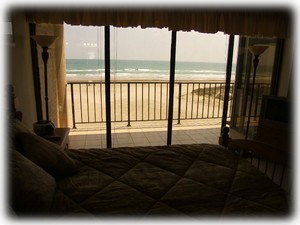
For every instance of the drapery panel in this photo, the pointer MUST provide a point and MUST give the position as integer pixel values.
(56, 74)
(252, 22)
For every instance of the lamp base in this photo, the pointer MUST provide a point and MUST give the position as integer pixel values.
(43, 127)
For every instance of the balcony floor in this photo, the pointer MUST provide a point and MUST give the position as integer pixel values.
(146, 133)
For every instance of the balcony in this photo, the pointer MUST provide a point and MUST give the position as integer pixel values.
(139, 113)
(145, 134)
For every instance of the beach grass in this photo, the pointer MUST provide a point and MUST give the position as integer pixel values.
(215, 92)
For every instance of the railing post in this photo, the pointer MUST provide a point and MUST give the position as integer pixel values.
(128, 103)
(73, 110)
(179, 103)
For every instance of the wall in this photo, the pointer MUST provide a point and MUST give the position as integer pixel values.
(19, 69)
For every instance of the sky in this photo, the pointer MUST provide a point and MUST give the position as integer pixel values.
(86, 42)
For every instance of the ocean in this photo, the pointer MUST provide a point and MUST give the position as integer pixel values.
(142, 70)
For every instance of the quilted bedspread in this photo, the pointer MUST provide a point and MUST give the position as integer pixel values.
(184, 180)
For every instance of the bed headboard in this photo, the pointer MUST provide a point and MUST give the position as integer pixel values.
(11, 108)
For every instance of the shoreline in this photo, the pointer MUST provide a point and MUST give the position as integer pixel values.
(148, 81)
(143, 80)
(92, 79)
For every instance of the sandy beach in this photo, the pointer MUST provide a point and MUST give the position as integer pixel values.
(148, 100)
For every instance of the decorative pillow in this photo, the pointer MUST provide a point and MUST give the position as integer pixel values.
(49, 156)
(31, 188)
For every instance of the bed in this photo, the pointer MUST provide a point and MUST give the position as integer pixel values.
(180, 180)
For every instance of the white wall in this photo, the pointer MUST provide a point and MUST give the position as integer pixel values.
(19, 70)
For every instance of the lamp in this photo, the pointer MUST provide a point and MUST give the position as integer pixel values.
(45, 41)
(256, 50)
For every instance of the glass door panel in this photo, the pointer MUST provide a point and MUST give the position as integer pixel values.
(140, 64)
(199, 86)
(243, 85)
(84, 55)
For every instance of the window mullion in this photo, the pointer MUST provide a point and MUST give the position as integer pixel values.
(228, 79)
(107, 86)
(172, 83)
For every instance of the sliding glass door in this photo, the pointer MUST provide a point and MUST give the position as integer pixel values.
(139, 82)
(119, 80)
(201, 63)
(264, 84)
(85, 85)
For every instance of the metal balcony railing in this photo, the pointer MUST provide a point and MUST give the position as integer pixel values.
(146, 101)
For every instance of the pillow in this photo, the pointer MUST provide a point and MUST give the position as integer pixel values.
(16, 127)
(49, 156)
(31, 188)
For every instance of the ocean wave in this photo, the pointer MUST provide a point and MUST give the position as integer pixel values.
(130, 70)
(146, 70)
(84, 75)
(182, 71)
(137, 71)
(146, 76)
(84, 70)
(200, 71)
(90, 71)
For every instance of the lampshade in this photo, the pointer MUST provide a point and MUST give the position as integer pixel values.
(44, 40)
(258, 49)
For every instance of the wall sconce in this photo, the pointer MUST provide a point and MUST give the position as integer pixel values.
(256, 50)
(45, 41)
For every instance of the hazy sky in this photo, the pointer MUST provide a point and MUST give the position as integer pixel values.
(145, 44)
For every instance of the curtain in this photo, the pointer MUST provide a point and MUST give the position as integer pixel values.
(56, 74)
(257, 23)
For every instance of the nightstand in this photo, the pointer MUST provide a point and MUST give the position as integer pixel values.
(60, 136)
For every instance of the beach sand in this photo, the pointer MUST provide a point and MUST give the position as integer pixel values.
(148, 101)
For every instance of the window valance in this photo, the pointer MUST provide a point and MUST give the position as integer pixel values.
(259, 23)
